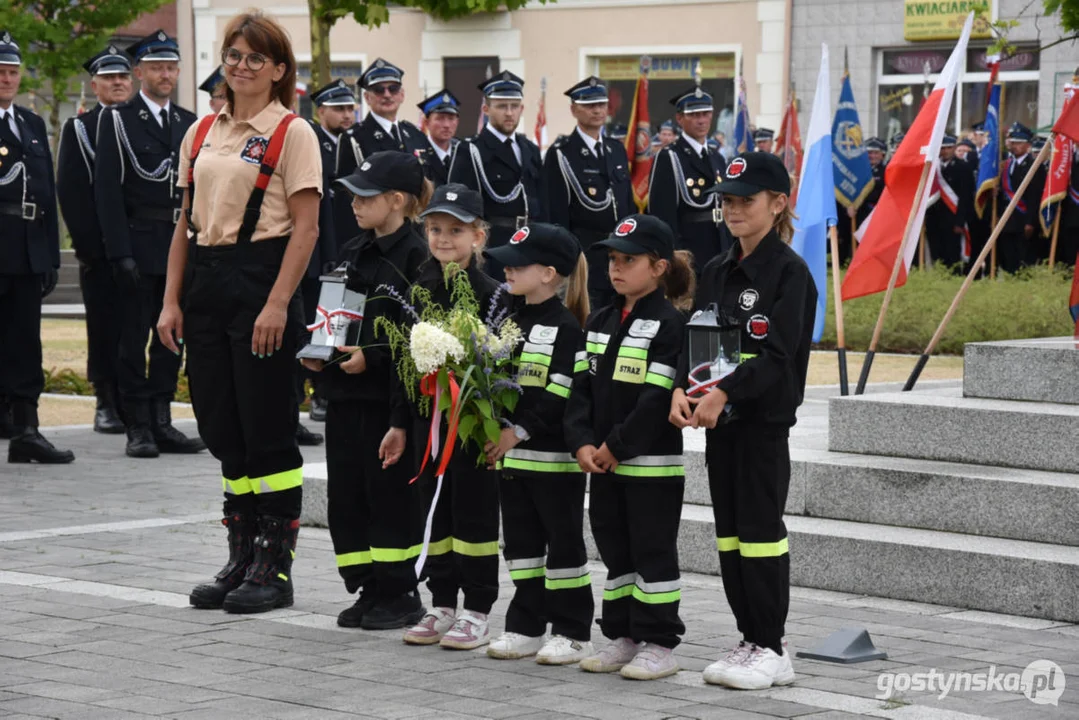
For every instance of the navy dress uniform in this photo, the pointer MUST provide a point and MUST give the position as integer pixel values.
(763, 139)
(436, 161)
(138, 143)
(505, 170)
(100, 296)
(29, 264)
(1013, 246)
(374, 134)
(678, 194)
(211, 86)
(588, 188)
(941, 223)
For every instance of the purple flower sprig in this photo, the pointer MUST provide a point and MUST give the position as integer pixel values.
(496, 315)
(392, 292)
(506, 384)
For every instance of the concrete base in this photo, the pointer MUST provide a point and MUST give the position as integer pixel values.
(1041, 370)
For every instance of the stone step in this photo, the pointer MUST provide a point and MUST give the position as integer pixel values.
(990, 574)
(943, 425)
(1039, 370)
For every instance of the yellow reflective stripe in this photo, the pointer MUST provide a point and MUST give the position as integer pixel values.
(632, 352)
(278, 481)
(618, 593)
(760, 550)
(526, 573)
(567, 583)
(558, 390)
(580, 366)
(440, 547)
(656, 598)
(650, 470)
(536, 358)
(596, 348)
(395, 554)
(746, 356)
(726, 544)
(462, 547)
(354, 558)
(283, 576)
(239, 486)
(657, 379)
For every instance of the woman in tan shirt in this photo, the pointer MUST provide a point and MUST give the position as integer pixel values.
(238, 263)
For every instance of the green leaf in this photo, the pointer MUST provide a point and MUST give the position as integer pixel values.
(509, 399)
(491, 430)
(484, 406)
(466, 426)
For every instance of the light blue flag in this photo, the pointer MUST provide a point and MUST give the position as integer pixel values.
(816, 202)
(853, 171)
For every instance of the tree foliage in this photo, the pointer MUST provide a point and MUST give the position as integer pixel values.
(1066, 10)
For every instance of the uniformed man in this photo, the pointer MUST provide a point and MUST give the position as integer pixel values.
(29, 261)
(134, 187)
(980, 136)
(668, 133)
(380, 130)
(875, 150)
(443, 116)
(503, 165)
(1019, 244)
(110, 81)
(587, 182)
(764, 140)
(945, 230)
(214, 86)
(681, 177)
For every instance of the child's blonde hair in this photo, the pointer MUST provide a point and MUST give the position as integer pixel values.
(482, 227)
(577, 291)
(783, 222)
(414, 205)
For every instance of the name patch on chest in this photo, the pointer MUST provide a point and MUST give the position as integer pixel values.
(629, 370)
(532, 375)
(254, 150)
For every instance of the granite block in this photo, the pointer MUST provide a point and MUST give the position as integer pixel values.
(1040, 370)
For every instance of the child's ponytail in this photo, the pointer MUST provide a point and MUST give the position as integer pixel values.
(577, 291)
(679, 282)
(415, 205)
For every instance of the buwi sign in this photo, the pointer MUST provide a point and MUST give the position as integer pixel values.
(942, 19)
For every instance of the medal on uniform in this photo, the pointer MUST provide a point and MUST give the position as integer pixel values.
(4, 150)
(592, 191)
(700, 181)
(143, 115)
(696, 192)
(689, 182)
(338, 317)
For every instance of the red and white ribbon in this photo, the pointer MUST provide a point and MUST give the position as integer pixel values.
(328, 315)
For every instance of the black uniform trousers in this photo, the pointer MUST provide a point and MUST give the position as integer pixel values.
(21, 377)
(140, 307)
(375, 515)
(543, 531)
(102, 299)
(245, 405)
(944, 243)
(1011, 251)
(749, 476)
(635, 526)
(463, 552)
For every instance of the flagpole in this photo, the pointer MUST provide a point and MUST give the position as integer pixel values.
(921, 249)
(993, 260)
(853, 240)
(1056, 233)
(841, 343)
(990, 245)
(899, 257)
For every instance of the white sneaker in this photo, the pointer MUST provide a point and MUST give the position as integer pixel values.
(759, 669)
(611, 658)
(470, 631)
(733, 656)
(431, 627)
(561, 650)
(512, 646)
(651, 663)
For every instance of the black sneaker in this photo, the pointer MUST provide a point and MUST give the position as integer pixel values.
(307, 438)
(352, 617)
(401, 611)
(318, 409)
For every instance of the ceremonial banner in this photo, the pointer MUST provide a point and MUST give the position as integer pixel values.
(852, 171)
(639, 139)
(789, 145)
(989, 158)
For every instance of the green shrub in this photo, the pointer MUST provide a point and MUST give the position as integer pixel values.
(1032, 303)
(69, 382)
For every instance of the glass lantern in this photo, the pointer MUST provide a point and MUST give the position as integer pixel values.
(338, 317)
(714, 349)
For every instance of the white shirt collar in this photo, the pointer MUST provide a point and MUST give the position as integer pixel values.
(500, 136)
(384, 123)
(333, 138)
(154, 107)
(588, 139)
(697, 147)
(442, 154)
(1019, 160)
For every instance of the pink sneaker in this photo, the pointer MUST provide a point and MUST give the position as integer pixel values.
(651, 663)
(431, 627)
(611, 658)
(470, 631)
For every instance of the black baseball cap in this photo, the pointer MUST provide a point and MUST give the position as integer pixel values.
(539, 244)
(640, 234)
(460, 201)
(749, 173)
(383, 172)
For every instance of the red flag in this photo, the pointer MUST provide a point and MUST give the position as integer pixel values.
(639, 140)
(1057, 181)
(1068, 122)
(871, 267)
(541, 117)
(789, 145)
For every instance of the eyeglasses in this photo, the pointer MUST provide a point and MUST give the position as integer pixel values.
(254, 61)
(382, 88)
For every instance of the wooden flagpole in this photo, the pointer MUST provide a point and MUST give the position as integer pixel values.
(853, 240)
(899, 256)
(989, 246)
(841, 343)
(993, 260)
(1056, 234)
(921, 248)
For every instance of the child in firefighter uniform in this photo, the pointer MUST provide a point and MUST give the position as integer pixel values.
(614, 425)
(764, 288)
(542, 487)
(375, 514)
(463, 551)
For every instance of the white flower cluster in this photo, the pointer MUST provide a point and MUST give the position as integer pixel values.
(431, 346)
(508, 337)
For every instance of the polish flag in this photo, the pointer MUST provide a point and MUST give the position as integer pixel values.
(882, 239)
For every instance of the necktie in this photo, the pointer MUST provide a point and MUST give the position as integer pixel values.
(512, 147)
(599, 150)
(7, 129)
(164, 118)
(704, 153)
(396, 135)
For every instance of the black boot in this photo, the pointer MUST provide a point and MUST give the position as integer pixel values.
(352, 617)
(242, 531)
(106, 417)
(168, 438)
(268, 582)
(391, 613)
(306, 437)
(318, 409)
(28, 445)
(140, 440)
(7, 428)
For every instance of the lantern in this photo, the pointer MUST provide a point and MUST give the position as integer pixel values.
(714, 349)
(338, 317)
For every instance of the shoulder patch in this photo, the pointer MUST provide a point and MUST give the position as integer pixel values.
(543, 334)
